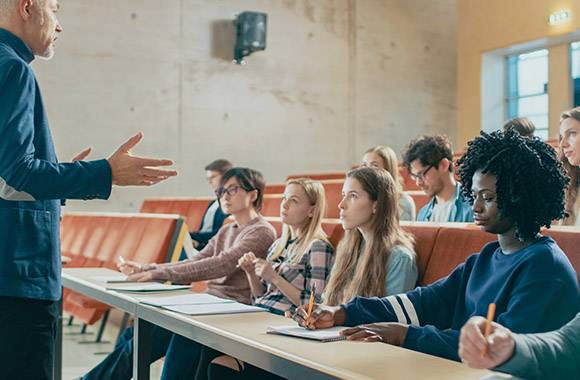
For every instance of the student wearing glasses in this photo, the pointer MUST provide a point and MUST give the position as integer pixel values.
(240, 195)
(429, 161)
(525, 274)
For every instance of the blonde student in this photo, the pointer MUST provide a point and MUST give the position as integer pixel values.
(570, 157)
(386, 158)
(300, 260)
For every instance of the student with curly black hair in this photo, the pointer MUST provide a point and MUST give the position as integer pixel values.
(429, 161)
(516, 185)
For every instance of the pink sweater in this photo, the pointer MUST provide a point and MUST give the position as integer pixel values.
(217, 261)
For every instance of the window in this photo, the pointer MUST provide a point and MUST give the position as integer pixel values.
(575, 62)
(527, 89)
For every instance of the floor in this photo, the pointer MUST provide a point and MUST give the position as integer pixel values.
(79, 358)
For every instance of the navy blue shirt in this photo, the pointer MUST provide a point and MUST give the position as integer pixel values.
(535, 289)
(32, 182)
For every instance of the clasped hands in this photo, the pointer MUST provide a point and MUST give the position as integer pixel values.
(260, 267)
(323, 317)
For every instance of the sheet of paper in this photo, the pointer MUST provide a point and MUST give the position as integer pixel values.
(110, 279)
(322, 335)
(183, 299)
(147, 287)
(215, 308)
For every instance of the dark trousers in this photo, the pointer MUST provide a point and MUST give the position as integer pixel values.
(118, 365)
(28, 330)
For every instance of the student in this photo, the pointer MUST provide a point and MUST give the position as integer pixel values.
(522, 125)
(385, 158)
(525, 274)
(553, 355)
(375, 257)
(213, 218)
(300, 258)
(240, 194)
(429, 161)
(570, 157)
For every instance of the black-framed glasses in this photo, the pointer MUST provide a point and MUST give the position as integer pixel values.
(421, 176)
(231, 190)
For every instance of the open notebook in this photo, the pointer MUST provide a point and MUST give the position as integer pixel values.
(322, 335)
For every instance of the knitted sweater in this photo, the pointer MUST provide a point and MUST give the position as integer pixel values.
(217, 261)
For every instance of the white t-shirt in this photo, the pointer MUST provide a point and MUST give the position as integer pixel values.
(440, 212)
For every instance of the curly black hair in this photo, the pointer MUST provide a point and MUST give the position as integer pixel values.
(530, 180)
(429, 149)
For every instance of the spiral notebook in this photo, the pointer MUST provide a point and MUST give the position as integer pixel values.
(322, 335)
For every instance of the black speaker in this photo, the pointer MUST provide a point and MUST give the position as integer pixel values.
(251, 34)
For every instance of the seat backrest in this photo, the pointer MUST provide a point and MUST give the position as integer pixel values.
(452, 247)
(425, 235)
(333, 191)
(567, 239)
(271, 205)
(334, 231)
(420, 199)
(192, 209)
(275, 189)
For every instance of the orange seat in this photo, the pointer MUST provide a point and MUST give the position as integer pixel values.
(192, 209)
(420, 199)
(271, 205)
(319, 176)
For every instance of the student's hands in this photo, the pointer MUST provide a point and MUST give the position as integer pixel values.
(264, 270)
(82, 155)
(246, 262)
(130, 267)
(386, 332)
(499, 345)
(129, 170)
(322, 317)
(141, 277)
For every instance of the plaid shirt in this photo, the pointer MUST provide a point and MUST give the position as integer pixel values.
(314, 267)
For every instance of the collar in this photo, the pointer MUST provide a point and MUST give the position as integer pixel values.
(21, 49)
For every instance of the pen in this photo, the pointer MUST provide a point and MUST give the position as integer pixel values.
(121, 260)
(310, 303)
(490, 315)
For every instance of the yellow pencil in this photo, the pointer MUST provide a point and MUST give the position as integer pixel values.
(313, 290)
(490, 315)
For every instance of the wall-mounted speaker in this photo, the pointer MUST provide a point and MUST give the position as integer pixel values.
(251, 34)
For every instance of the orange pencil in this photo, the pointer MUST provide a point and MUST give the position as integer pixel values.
(310, 303)
(490, 315)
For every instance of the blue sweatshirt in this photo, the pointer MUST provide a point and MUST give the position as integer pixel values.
(32, 182)
(535, 289)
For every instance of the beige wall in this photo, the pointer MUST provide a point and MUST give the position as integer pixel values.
(484, 26)
(337, 77)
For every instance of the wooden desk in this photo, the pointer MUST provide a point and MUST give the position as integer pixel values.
(244, 336)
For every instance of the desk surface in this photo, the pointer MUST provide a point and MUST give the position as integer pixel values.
(244, 336)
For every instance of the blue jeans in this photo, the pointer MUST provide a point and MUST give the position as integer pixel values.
(118, 365)
(182, 359)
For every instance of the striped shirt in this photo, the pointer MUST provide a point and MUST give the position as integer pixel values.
(314, 267)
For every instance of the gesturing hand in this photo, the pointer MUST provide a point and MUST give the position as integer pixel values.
(387, 332)
(129, 170)
(82, 155)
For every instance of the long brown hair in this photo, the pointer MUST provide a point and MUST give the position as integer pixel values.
(572, 199)
(312, 229)
(390, 163)
(361, 265)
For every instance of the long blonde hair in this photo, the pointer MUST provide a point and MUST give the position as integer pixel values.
(390, 163)
(572, 198)
(312, 229)
(361, 265)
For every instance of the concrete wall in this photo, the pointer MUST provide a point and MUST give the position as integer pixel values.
(337, 77)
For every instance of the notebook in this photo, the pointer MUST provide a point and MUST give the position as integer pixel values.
(147, 287)
(322, 335)
(182, 299)
(215, 308)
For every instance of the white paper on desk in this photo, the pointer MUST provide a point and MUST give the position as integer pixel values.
(148, 287)
(183, 299)
(111, 279)
(322, 335)
(215, 308)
